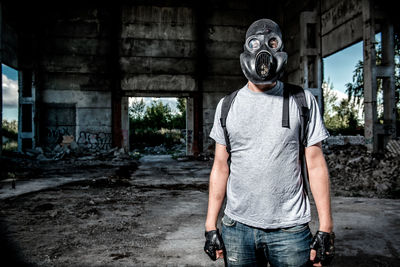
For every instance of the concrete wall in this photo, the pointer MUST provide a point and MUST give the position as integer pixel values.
(224, 35)
(158, 49)
(88, 58)
(9, 37)
(74, 76)
(184, 49)
(341, 24)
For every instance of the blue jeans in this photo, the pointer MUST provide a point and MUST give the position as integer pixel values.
(249, 246)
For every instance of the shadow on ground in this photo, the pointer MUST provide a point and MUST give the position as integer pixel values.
(154, 216)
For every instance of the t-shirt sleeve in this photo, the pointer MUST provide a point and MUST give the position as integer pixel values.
(217, 133)
(317, 131)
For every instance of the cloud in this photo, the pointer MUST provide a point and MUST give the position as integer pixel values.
(10, 92)
(340, 96)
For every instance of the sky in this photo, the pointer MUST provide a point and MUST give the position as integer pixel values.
(338, 68)
(10, 93)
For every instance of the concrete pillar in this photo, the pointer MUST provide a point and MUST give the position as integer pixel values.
(370, 84)
(189, 126)
(197, 143)
(27, 109)
(310, 54)
(117, 107)
(125, 123)
(387, 74)
(200, 15)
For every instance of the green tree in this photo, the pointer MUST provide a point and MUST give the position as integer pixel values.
(158, 115)
(10, 126)
(330, 99)
(355, 89)
(179, 119)
(10, 129)
(156, 124)
(181, 105)
(137, 109)
(339, 118)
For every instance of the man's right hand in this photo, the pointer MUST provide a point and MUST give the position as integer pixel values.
(214, 245)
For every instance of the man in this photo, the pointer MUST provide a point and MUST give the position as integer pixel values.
(267, 209)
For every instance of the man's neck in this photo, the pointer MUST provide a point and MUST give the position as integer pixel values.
(260, 87)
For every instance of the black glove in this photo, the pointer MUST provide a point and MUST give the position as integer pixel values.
(213, 243)
(323, 243)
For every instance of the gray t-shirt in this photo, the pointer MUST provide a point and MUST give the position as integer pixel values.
(265, 187)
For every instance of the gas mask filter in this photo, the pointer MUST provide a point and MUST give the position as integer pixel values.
(263, 61)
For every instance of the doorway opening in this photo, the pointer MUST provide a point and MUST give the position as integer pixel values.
(343, 73)
(158, 125)
(9, 107)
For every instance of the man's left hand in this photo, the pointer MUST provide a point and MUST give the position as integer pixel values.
(322, 248)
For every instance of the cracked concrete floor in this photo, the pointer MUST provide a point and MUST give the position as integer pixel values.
(156, 218)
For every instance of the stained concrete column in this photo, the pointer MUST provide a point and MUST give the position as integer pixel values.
(310, 54)
(189, 125)
(388, 85)
(117, 107)
(200, 11)
(125, 122)
(197, 143)
(370, 84)
(27, 109)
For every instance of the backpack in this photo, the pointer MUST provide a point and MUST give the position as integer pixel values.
(298, 94)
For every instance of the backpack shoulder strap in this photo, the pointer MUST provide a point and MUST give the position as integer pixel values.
(226, 105)
(299, 97)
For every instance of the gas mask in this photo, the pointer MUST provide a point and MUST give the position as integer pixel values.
(263, 61)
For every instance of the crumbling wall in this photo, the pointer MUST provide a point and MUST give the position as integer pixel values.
(289, 17)
(341, 24)
(185, 49)
(90, 56)
(75, 97)
(158, 49)
(225, 31)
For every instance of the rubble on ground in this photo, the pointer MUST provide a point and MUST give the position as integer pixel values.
(163, 149)
(354, 171)
(67, 159)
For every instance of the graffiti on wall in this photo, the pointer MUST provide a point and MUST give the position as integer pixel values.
(55, 135)
(92, 140)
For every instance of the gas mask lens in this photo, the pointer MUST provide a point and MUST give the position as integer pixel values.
(254, 44)
(273, 43)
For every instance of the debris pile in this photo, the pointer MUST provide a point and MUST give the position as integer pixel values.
(393, 147)
(356, 172)
(72, 151)
(163, 149)
(67, 159)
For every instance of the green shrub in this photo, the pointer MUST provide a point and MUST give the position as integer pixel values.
(156, 124)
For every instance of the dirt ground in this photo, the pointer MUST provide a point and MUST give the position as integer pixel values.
(152, 214)
(108, 221)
